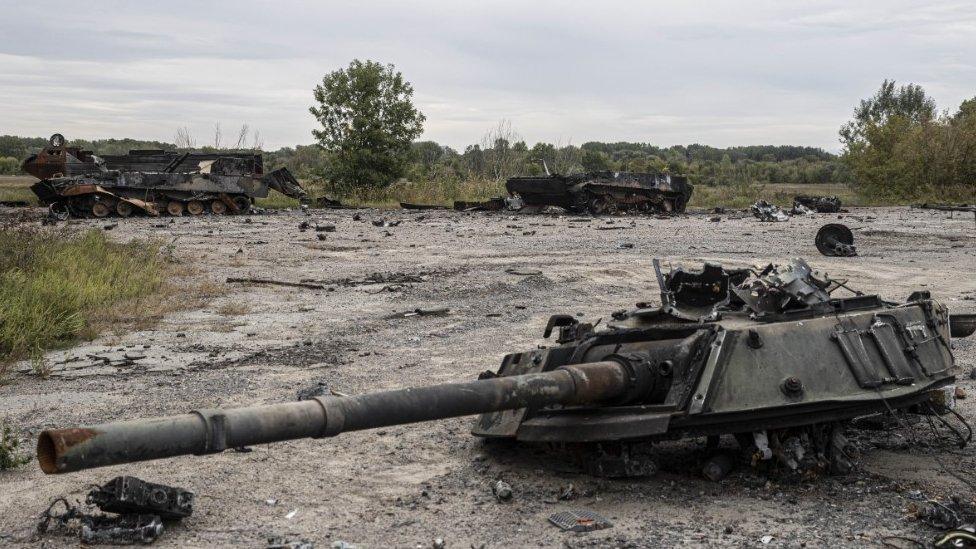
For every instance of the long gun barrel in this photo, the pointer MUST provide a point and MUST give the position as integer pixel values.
(210, 431)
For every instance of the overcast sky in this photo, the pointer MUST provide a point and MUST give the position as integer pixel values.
(719, 73)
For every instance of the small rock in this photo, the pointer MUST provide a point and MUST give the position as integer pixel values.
(960, 393)
(502, 491)
(439, 543)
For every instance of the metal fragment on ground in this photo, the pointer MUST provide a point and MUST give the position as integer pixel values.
(579, 521)
(835, 239)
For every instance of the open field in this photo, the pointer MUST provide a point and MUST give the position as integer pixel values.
(17, 187)
(404, 486)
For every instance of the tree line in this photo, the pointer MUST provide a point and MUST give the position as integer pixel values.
(897, 146)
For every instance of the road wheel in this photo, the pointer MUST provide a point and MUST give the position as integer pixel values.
(218, 207)
(175, 208)
(195, 207)
(124, 209)
(243, 204)
(100, 209)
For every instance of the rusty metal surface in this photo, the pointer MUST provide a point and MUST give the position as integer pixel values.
(80, 184)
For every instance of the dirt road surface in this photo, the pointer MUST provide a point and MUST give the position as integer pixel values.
(405, 486)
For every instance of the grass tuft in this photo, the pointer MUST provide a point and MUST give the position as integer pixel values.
(10, 456)
(57, 287)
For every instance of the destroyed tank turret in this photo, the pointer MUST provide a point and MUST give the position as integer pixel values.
(75, 182)
(605, 192)
(769, 355)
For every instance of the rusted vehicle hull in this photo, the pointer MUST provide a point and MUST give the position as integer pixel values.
(605, 192)
(77, 183)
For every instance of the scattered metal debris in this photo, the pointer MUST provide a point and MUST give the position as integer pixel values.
(140, 508)
(834, 239)
(420, 312)
(579, 521)
(77, 183)
(951, 208)
(491, 205)
(269, 281)
(818, 204)
(962, 325)
(326, 202)
(409, 206)
(944, 516)
(523, 272)
(130, 495)
(280, 542)
(764, 211)
(605, 192)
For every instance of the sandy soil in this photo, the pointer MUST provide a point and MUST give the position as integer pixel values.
(405, 486)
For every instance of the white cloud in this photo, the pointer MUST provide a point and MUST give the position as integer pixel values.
(720, 73)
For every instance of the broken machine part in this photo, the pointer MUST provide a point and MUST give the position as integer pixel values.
(834, 239)
(140, 511)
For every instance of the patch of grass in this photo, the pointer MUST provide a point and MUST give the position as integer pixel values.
(10, 456)
(15, 187)
(57, 287)
(276, 201)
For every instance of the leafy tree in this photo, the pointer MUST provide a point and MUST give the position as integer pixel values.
(368, 122)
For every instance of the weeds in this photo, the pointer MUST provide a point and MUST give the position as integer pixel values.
(57, 287)
(10, 450)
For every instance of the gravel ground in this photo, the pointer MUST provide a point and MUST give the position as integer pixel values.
(405, 486)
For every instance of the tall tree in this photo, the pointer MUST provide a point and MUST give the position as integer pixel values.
(368, 122)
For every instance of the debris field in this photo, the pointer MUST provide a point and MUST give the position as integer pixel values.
(394, 299)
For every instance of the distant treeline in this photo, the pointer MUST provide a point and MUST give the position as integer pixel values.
(501, 155)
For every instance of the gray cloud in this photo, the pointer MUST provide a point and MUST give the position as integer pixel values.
(721, 73)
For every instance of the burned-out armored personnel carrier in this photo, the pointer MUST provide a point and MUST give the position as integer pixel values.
(605, 192)
(75, 182)
(770, 355)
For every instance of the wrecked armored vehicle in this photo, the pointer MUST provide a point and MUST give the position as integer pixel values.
(605, 192)
(77, 183)
(819, 204)
(770, 355)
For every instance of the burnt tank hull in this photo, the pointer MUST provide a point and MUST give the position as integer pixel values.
(78, 183)
(768, 355)
(721, 381)
(605, 192)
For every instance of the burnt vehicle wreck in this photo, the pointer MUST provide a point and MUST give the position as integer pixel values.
(769, 355)
(77, 183)
(605, 192)
(818, 204)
